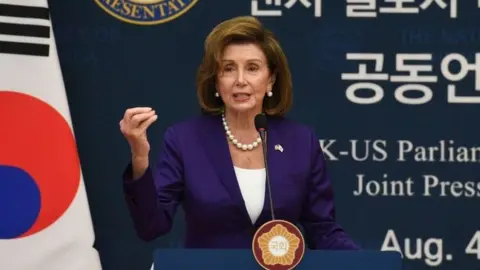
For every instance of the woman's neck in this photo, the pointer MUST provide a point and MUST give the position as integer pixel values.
(241, 121)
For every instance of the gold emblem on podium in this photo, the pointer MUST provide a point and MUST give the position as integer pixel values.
(278, 245)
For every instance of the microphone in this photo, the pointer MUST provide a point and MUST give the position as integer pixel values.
(273, 230)
(261, 126)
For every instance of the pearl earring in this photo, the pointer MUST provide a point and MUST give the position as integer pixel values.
(217, 94)
(269, 93)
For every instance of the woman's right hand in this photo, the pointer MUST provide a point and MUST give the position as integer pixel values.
(134, 128)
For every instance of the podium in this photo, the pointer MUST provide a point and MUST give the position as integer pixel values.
(243, 259)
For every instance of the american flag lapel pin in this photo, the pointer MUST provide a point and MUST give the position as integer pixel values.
(278, 147)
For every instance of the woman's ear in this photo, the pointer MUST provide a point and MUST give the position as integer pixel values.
(273, 78)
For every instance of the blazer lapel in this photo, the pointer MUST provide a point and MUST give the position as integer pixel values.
(217, 149)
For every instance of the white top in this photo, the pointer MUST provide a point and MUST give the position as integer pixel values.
(252, 186)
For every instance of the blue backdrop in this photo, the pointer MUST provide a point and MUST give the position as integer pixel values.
(393, 92)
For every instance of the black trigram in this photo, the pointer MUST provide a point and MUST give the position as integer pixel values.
(15, 28)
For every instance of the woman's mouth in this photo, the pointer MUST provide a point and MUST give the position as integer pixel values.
(240, 97)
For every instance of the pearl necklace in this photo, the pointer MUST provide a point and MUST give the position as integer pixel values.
(238, 144)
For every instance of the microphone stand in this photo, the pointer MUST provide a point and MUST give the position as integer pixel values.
(263, 136)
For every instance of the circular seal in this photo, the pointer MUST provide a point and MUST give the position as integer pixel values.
(146, 12)
(278, 245)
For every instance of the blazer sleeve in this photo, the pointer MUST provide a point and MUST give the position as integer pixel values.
(318, 215)
(152, 200)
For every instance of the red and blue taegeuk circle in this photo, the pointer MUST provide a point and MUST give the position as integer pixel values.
(39, 165)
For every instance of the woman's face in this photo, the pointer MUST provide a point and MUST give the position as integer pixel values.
(244, 77)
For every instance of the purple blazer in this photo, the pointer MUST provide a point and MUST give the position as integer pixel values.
(195, 169)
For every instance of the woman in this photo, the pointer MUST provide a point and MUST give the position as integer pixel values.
(213, 164)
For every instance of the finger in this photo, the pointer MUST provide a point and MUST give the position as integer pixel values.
(137, 119)
(132, 111)
(145, 124)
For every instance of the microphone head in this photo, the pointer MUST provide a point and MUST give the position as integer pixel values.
(261, 122)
